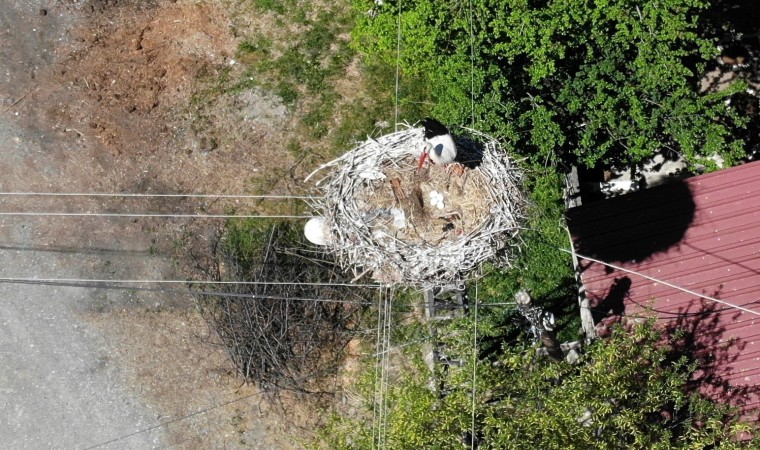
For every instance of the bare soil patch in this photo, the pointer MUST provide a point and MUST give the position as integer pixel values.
(169, 360)
(129, 106)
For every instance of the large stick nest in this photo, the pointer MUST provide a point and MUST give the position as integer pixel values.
(383, 217)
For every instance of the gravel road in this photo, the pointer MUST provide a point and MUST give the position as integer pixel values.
(59, 387)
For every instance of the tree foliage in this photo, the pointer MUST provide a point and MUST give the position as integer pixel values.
(629, 391)
(593, 81)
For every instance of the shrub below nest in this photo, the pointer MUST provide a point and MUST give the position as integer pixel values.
(289, 334)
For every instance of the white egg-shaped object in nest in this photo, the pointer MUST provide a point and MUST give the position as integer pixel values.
(316, 231)
(399, 218)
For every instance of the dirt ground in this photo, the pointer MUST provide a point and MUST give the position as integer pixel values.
(112, 96)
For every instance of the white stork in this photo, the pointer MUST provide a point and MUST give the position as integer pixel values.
(439, 145)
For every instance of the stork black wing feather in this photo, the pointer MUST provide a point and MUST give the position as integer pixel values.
(433, 127)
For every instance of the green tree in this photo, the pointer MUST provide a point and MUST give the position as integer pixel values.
(593, 81)
(628, 392)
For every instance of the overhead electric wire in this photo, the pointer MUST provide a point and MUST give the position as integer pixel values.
(475, 312)
(472, 69)
(141, 195)
(187, 292)
(657, 280)
(378, 352)
(120, 285)
(177, 216)
(398, 67)
(153, 214)
(148, 281)
(177, 419)
(474, 365)
(386, 365)
(219, 405)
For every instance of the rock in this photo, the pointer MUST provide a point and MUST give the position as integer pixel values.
(572, 357)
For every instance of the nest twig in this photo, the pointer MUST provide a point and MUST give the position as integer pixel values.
(351, 203)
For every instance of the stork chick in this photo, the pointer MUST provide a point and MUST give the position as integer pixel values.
(439, 146)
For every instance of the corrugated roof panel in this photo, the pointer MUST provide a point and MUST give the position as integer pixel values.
(702, 234)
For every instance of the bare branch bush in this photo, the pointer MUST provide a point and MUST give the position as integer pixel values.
(280, 336)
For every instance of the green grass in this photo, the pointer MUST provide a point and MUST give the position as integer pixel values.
(309, 61)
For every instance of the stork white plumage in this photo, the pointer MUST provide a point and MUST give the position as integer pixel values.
(439, 146)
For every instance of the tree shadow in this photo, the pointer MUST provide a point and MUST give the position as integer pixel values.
(699, 333)
(635, 226)
(740, 15)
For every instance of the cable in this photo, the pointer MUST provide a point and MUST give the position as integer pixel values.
(656, 280)
(474, 365)
(190, 292)
(180, 216)
(101, 284)
(94, 280)
(398, 65)
(475, 326)
(397, 347)
(211, 408)
(169, 422)
(381, 352)
(472, 71)
(114, 194)
(34, 89)
(386, 364)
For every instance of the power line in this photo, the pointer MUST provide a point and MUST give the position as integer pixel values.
(474, 366)
(475, 313)
(265, 283)
(386, 364)
(398, 65)
(169, 422)
(657, 280)
(190, 292)
(381, 352)
(472, 70)
(103, 284)
(380, 388)
(220, 405)
(179, 216)
(140, 195)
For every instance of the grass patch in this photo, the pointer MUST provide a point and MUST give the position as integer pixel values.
(303, 66)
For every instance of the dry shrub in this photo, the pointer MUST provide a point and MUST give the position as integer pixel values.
(290, 332)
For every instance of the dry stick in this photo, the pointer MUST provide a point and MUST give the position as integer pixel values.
(19, 100)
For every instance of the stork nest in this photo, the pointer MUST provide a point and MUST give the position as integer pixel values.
(384, 220)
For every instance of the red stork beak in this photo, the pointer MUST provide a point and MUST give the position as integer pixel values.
(423, 157)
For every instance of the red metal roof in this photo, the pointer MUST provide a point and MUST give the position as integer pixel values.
(702, 234)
